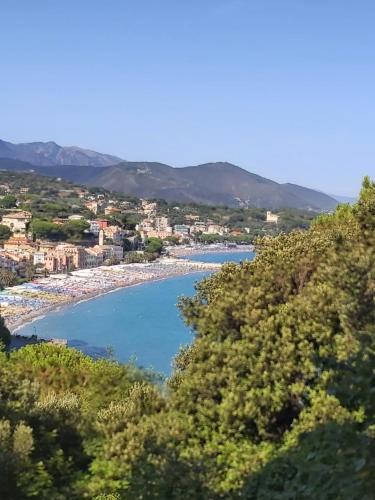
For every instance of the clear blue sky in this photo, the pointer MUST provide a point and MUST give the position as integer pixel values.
(283, 88)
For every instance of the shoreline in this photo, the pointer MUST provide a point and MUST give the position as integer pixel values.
(166, 268)
(185, 251)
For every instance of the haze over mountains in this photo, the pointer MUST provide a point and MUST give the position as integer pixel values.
(211, 183)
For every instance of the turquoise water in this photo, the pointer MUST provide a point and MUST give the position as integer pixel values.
(140, 323)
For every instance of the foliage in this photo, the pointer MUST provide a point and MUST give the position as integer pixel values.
(5, 232)
(154, 246)
(7, 278)
(273, 399)
(72, 230)
(49, 399)
(4, 333)
(47, 230)
(8, 201)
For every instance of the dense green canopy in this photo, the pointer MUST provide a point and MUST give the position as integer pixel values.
(274, 399)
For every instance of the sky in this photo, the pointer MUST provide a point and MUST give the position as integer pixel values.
(284, 89)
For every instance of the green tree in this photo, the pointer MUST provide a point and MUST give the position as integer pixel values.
(7, 278)
(8, 201)
(5, 232)
(47, 230)
(75, 229)
(154, 246)
(5, 336)
(127, 245)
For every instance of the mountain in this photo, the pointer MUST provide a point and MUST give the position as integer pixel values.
(211, 183)
(50, 153)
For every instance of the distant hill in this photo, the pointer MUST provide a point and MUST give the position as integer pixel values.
(211, 183)
(50, 153)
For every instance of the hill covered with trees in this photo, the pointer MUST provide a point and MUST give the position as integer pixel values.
(219, 183)
(274, 398)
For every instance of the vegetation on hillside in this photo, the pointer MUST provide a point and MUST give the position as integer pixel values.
(274, 398)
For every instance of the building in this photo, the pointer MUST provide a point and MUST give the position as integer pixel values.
(39, 258)
(13, 262)
(198, 227)
(145, 225)
(154, 233)
(5, 188)
(114, 233)
(17, 221)
(59, 221)
(215, 229)
(192, 217)
(94, 227)
(93, 258)
(81, 193)
(7, 261)
(92, 206)
(182, 229)
(161, 223)
(109, 251)
(148, 208)
(19, 243)
(75, 217)
(102, 223)
(65, 257)
(110, 210)
(270, 217)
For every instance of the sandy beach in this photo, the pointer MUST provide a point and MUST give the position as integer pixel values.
(25, 303)
(186, 250)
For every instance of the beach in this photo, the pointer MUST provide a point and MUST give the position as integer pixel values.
(27, 302)
(186, 250)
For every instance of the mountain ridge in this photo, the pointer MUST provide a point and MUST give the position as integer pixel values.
(218, 183)
(49, 153)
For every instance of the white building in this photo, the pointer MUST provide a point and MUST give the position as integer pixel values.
(17, 221)
(39, 258)
(75, 217)
(272, 217)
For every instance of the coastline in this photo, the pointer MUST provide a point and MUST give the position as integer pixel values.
(201, 249)
(121, 276)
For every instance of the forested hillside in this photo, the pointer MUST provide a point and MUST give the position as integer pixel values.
(274, 399)
(219, 183)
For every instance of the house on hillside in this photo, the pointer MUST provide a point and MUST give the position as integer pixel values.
(17, 221)
(270, 217)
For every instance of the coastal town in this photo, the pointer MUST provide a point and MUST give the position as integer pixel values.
(60, 242)
(87, 243)
(22, 249)
(78, 228)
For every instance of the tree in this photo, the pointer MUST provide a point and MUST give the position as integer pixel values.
(5, 232)
(7, 278)
(5, 336)
(154, 246)
(47, 230)
(75, 229)
(30, 270)
(8, 201)
(127, 245)
(273, 399)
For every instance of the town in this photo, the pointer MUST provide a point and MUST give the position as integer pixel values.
(51, 226)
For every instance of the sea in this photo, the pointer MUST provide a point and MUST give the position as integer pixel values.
(139, 324)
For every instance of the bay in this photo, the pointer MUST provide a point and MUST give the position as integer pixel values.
(139, 323)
